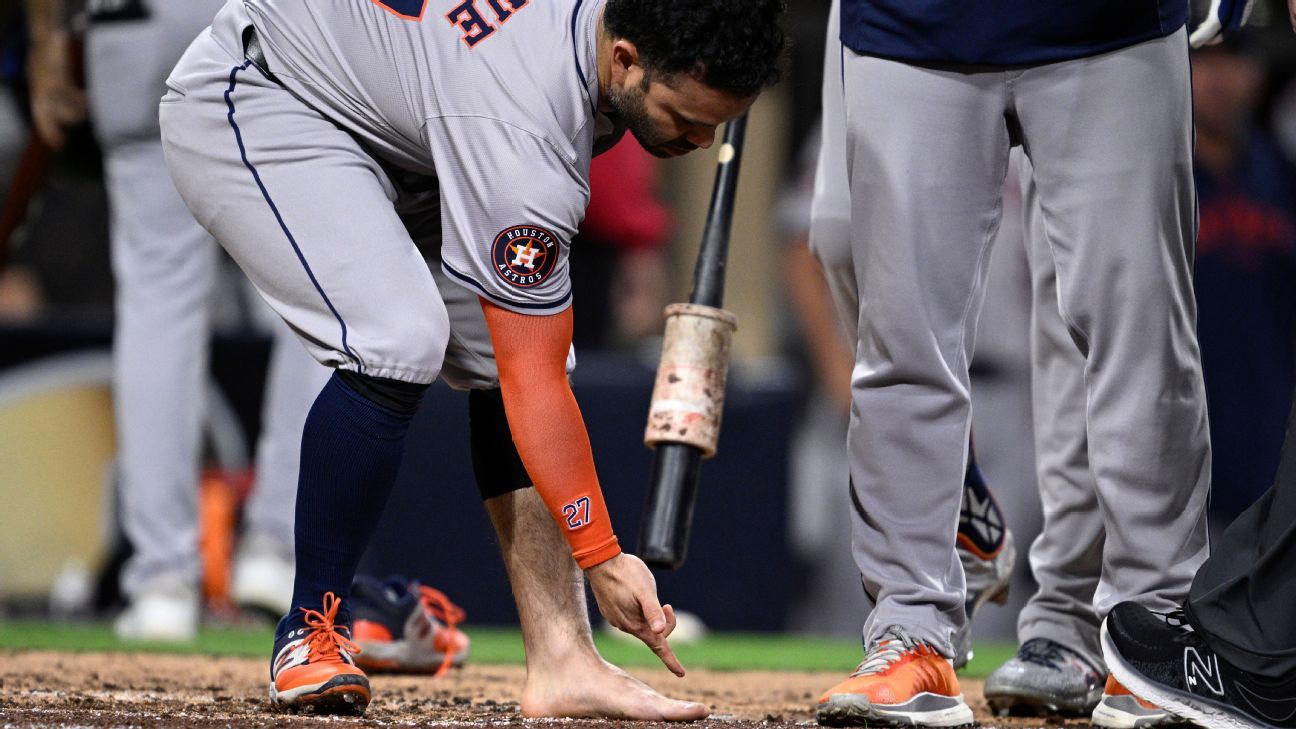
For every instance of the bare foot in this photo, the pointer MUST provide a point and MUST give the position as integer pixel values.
(603, 691)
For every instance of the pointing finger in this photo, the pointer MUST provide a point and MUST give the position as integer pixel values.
(662, 648)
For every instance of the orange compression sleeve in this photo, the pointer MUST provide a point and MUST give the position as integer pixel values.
(550, 435)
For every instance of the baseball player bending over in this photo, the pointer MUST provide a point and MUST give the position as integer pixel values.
(327, 146)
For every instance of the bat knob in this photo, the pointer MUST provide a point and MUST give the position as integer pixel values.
(668, 511)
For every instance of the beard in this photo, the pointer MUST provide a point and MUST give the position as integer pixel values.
(632, 112)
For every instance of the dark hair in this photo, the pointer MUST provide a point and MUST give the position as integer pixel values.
(735, 46)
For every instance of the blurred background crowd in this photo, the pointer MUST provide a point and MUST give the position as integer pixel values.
(770, 534)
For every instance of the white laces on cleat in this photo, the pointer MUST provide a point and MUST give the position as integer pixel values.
(884, 653)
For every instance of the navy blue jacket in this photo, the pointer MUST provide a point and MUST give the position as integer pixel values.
(1004, 32)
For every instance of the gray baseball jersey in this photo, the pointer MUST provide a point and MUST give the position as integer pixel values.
(512, 153)
(381, 131)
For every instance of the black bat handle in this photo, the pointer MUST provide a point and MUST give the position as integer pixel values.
(672, 492)
(668, 511)
(709, 274)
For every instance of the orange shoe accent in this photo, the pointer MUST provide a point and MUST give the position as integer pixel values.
(1116, 688)
(367, 630)
(304, 669)
(967, 544)
(449, 640)
(917, 670)
(217, 520)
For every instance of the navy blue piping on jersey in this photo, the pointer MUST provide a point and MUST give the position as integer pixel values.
(238, 136)
(575, 57)
(503, 302)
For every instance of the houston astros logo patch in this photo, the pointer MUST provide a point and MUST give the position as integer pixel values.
(524, 255)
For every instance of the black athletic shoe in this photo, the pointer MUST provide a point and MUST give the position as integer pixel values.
(1173, 667)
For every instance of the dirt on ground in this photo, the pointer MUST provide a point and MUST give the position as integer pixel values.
(50, 689)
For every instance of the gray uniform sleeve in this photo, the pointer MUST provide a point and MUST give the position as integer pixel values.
(511, 202)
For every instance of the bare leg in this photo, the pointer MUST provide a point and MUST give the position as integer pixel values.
(565, 674)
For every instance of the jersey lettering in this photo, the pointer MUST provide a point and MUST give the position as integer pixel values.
(473, 24)
(474, 27)
(407, 9)
(504, 9)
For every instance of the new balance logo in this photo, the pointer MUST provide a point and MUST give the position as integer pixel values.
(1202, 672)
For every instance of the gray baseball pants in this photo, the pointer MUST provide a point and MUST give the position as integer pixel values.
(1110, 140)
(1066, 557)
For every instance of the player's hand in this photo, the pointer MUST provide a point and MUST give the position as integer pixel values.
(56, 101)
(1291, 13)
(627, 597)
(1224, 17)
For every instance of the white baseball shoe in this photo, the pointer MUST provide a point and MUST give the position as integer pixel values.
(164, 611)
(263, 576)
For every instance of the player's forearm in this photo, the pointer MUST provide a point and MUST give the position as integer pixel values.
(547, 427)
(558, 455)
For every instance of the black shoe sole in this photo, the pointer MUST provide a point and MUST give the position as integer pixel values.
(344, 695)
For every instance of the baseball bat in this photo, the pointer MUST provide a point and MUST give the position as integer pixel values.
(672, 491)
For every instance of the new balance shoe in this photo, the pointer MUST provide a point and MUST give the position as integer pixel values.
(1172, 666)
(902, 682)
(314, 669)
(1045, 678)
(403, 626)
(1120, 709)
(987, 551)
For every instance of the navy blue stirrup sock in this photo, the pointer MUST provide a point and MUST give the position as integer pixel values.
(351, 452)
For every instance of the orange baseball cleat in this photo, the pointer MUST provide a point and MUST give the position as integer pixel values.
(402, 626)
(313, 668)
(1120, 709)
(902, 682)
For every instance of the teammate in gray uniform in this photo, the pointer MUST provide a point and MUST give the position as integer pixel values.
(1066, 556)
(326, 145)
(165, 266)
(935, 95)
(1059, 668)
(984, 544)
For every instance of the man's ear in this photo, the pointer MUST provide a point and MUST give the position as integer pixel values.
(627, 70)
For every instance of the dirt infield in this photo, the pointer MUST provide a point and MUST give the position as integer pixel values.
(47, 689)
